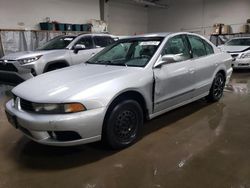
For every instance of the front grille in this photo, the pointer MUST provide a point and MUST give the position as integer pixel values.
(26, 105)
(10, 78)
(8, 67)
(64, 135)
(243, 64)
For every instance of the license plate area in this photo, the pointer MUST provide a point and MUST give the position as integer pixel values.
(12, 119)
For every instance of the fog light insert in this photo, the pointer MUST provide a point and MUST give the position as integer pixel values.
(33, 72)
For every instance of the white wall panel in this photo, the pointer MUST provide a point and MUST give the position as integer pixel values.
(30, 12)
(125, 18)
(198, 15)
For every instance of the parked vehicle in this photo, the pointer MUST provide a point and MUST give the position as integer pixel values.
(111, 95)
(60, 52)
(239, 48)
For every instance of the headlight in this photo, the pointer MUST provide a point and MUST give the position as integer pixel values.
(29, 60)
(245, 55)
(58, 108)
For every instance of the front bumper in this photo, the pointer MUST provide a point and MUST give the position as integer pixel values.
(229, 74)
(44, 128)
(241, 63)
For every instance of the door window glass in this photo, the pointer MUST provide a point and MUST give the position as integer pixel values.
(86, 41)
(102, 42)
(177, 45)
(197, 45)
(209, 48)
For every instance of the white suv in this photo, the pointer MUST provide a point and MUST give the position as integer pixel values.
(62, 51)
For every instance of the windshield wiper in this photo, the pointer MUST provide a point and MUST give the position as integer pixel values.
(102, 62)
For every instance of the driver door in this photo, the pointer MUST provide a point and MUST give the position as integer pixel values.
(85, 54)
(174, 82)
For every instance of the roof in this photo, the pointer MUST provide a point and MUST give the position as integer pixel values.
(151, 35)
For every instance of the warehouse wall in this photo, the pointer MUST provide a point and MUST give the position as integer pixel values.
(198, 15)
(26, 14)
(125, 18)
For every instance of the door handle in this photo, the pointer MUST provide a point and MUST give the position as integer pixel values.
(92, 54)
(191, 70)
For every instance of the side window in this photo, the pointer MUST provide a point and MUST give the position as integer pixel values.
(177, 45)
(102, 41)
(209, 48)
(87, 41)
(197, 45)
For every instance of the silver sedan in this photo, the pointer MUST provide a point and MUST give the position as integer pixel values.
(110, 96)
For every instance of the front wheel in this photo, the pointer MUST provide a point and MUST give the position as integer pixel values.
(123, 124)
(217, 88)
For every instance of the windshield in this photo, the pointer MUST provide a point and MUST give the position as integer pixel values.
(239, 42)
(57, 43)
(128, 52)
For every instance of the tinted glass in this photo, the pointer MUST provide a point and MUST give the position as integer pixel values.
(177, 45)
(239, 42)
(209, 48)
(57, 43)
(198, 47)
(103, 41)
(135, 52)
(87, 41)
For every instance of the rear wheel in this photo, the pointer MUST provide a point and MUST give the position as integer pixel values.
(123, 124)
(217, 88)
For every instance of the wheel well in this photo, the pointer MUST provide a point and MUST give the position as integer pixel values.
(223, 72)
(130, 95)
(59, 64)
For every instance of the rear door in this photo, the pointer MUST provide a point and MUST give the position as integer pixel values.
(174, 82)
(205, 64)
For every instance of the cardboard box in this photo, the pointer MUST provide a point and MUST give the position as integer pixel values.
(244, 29)
(217, 28)
(226, 29)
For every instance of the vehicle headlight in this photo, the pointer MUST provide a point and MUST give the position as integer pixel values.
(245, 55)
(58, 108)
(29, 60)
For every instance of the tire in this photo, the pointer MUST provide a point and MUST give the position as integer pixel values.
(216, 91)
(123, 124)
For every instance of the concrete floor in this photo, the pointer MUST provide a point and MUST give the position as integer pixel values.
(199, 145)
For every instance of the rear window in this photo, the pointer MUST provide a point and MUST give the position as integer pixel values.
(209, 48)
(101, 41)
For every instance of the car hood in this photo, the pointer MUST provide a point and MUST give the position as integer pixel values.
(226, 48)
(60, 85)
(27, 54)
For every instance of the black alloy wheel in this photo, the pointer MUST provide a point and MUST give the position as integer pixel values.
(123, 125)
(216, 91)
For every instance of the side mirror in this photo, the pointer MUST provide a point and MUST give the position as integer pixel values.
(79, 47)
(167, 59)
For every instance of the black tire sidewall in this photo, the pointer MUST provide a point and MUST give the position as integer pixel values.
(211, 96)
(110, 136)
